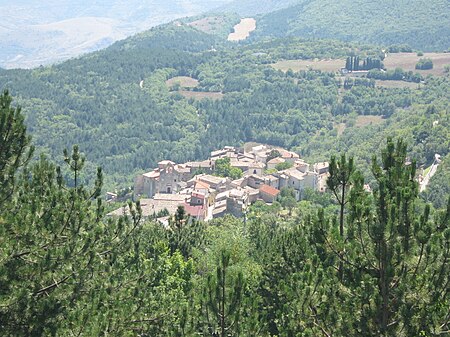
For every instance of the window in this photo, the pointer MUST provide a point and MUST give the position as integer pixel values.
(254, 171)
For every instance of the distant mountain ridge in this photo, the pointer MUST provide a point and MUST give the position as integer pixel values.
(255, 7)
(423, 25)
(35, 32)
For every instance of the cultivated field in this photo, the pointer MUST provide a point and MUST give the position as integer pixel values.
(361, 121)
(199, 95)
(407, 61)
(243, 29)
(329, 65)
(397, 84)
(183, 81)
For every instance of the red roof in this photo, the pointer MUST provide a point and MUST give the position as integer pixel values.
(269, 190)
(198, 195)
(201, 185)
(197, 211)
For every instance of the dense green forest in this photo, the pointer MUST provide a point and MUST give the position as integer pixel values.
(382, 269)
(382, 22)
(96, 101)
(346, 262)
(116, 105)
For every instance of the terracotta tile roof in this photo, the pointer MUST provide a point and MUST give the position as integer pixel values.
(197, 211)
(257, 165)
(276, 160)
(198, 195)
(269, 190)
(201, 185)
(288, 154)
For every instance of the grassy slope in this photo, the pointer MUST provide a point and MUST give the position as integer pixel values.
(421, 24)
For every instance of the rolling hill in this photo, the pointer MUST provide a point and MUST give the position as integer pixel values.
(34, 33)
(423, 25)
(117, 106)
(255, 7)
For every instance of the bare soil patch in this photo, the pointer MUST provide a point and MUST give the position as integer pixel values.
(397, 84)
(340, 128)
(199, 95)
(183, 81)
(362, 121)
(407, 61)
(329, 65)
(243, 29)
(208, 24)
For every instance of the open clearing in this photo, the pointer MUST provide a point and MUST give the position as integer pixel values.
(329, 65)
(397, 84)
(407, 61)
(340, 128)
(199, 95)
(208, 24)
(243, 29)
(183, 81)
(362, 121)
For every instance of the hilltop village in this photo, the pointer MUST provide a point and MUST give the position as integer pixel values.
(205, 195)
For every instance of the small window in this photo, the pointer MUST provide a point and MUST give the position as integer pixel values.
(175, 180)
(199, 201)
(254, 171)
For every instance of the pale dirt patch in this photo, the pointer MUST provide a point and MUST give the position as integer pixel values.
(340, 128)
(397, 84)
(183, 81)
(243, 29)
(407, 61)
(362, 121)
(328, 65)
(199, 95)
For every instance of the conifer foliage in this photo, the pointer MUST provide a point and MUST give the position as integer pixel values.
(372, 264)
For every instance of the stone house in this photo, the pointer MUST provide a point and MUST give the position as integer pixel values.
(255, 181)
(271, 164)
(322, 168)
(268, 193)
(256, 168)
(289, 155)
(167, 178)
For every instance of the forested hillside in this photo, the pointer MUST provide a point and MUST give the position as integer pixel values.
(254, 7)
(370, 256)
(116, 105)
(421, 24)
(65, 269)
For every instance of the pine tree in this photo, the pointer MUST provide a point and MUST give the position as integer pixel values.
(339, 182)
(15, 149)
(401, 256)
(222, 299)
